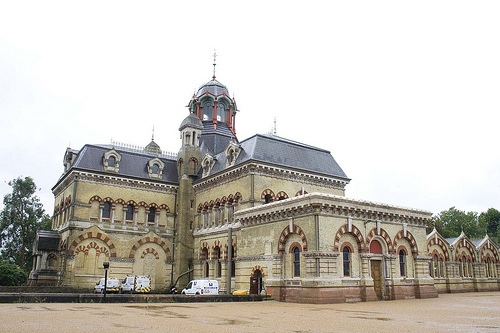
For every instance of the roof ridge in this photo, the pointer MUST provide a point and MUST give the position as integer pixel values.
(289, 141)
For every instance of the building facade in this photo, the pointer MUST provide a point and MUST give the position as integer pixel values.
(265, 214)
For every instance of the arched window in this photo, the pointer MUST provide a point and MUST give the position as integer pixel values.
(470, 270)
(51, 261)
(487, 267)
(346, 259)
(193, 165)
(233, 263)
(230, 157)
(461, 267)
(204, 257)
(442, 268)
(106, 210)
(129, 215)
(435, 266)
(155, 168)
(465, 266)
(296, 262)
(204, 254)
(402, 262)
(206, 269)
(218, 270)
(221, 114)
(268, 198)
(111, 161)
(151, 214)
(208, 110)
(230, 211)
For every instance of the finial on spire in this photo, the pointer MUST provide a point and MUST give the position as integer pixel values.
(215, 57)
(153, 134)
(274, 127)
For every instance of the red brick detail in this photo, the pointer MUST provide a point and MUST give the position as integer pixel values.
(489, 246)
(440, 242)
(355, 232)
(284, 235)
(468, 245)
(384, 235)
(410, 238)
(146, 240)
(89, 235)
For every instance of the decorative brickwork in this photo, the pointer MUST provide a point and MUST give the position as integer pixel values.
(463, 244)
(92, 234)
(410, 238)
(384, 235)
(150, 239)
(150, 250)
(284, 235)
(355, 232)
(441, 243)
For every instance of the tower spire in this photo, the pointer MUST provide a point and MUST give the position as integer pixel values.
(215, 57)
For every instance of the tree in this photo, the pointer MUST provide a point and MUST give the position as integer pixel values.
(11, 274)
(492, 221)
(451, 222)
(22, 215)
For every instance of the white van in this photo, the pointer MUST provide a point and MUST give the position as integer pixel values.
(136, 284)
(201, 287)
(113, 286)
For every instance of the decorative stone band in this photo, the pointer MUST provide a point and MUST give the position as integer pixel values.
(328, 204)
(279, 173)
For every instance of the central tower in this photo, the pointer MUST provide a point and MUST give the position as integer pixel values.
(215, 108)
(208, 130)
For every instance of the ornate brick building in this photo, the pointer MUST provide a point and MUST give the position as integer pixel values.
(265, 214)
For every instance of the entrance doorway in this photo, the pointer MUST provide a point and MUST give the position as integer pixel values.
(376, 268)
(256, 282)
(377, 277)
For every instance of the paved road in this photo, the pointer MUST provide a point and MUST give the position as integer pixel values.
(468, 312)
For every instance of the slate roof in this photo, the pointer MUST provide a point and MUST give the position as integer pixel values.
(214, 88)
(47, 240)
(271, 149)
(215, 139)
(191, 120)
(133, 162)
(266, 149)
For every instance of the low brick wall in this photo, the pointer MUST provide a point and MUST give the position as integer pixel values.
(14, 297)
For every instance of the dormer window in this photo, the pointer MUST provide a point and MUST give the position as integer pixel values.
(111, 161)
(155, 168)
(207, 165)
(232, 152)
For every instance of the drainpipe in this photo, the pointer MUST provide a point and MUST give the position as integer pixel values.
(174, 239)
(316, 226)
(229, 259)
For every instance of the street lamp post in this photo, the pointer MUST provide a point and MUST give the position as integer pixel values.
(106, 266)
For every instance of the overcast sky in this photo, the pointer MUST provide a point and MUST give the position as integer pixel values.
(404, 94)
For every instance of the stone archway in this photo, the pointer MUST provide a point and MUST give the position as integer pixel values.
(256, 284)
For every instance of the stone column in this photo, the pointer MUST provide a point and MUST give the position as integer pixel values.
(112, 215)
(136, 213)
(124, 220)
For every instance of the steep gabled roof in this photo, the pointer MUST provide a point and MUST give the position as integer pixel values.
(133, 162)
(281, 152)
